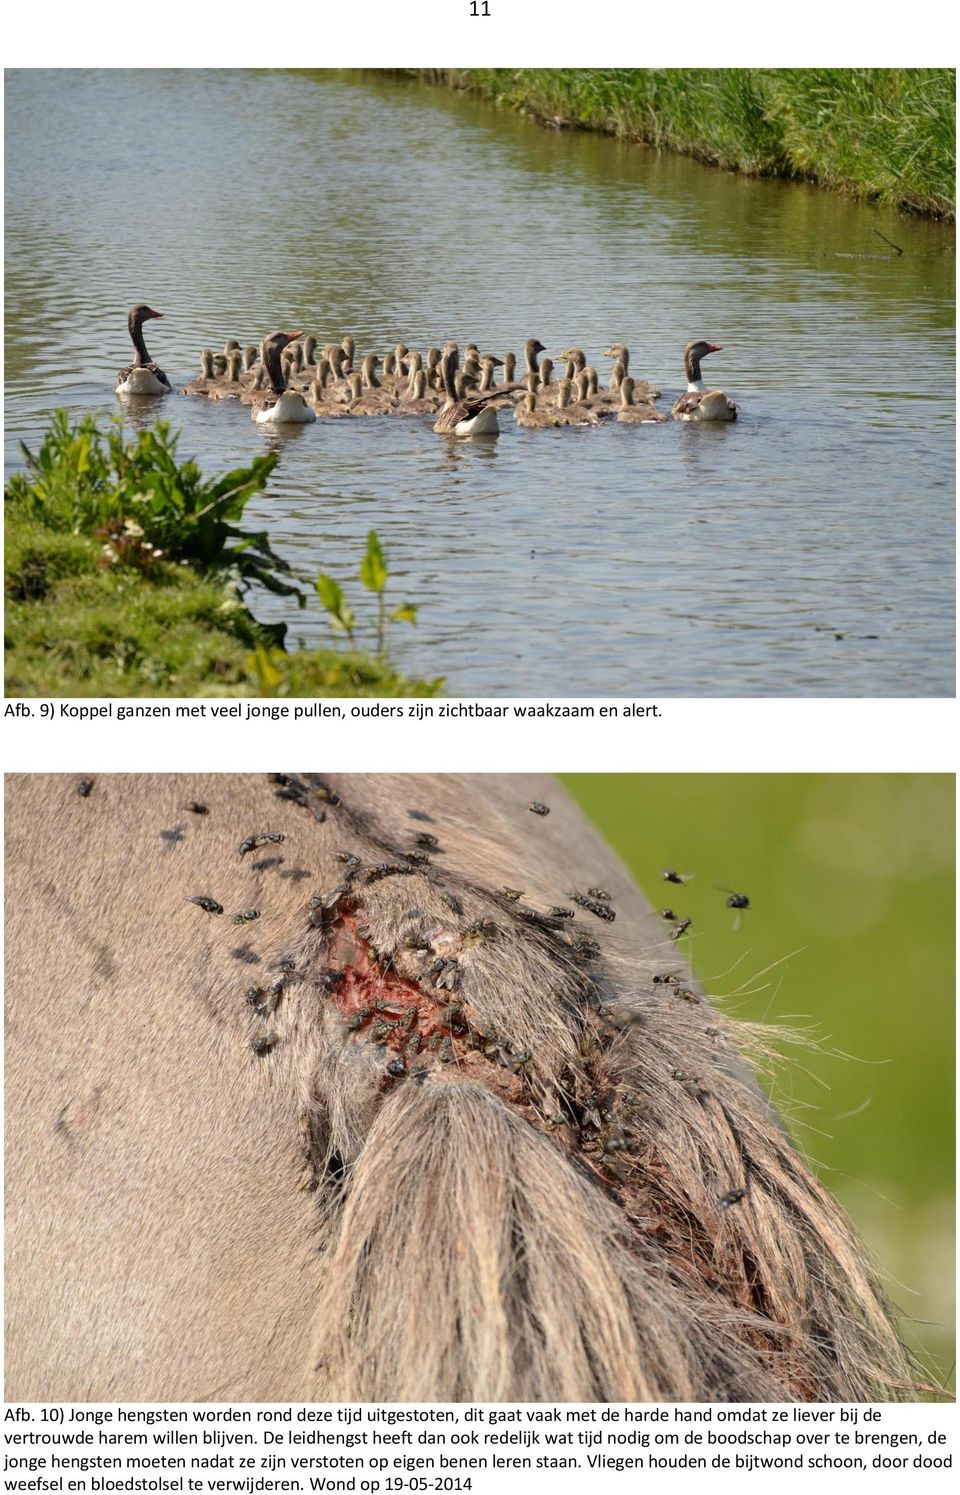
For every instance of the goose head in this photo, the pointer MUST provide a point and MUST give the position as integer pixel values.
(250, 356)
(369, 371)
(546, 369)
(692, 354)
(509, 367)
(620, 353)
(574, 359)
(309, 348)
(487, 366)
(136, 317)
(234, 363)
(389, 365)
(531, 348)
(564, 391)
(206, 364)
(354, 385)
(271, 349)
(348, 346)
(626, 392)
(230, 346)
(420, 384)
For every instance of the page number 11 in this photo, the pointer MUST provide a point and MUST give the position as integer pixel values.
(479, 8)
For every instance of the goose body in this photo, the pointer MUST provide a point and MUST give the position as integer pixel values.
(143, 377)
(278, 405)
(464, 417)
(698, 403)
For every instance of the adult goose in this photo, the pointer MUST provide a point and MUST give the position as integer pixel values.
(143, 377)
(698, 403)
(473, 416)
(277, 404)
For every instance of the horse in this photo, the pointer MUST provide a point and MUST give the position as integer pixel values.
(390, 1088)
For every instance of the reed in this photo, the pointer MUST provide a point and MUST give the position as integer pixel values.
(887, 134)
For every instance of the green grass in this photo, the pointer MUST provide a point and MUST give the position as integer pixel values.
(850, 935)
(888, 134)
(126, 573)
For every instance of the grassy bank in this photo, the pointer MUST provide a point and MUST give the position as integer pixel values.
(882, 133)
(126, 573)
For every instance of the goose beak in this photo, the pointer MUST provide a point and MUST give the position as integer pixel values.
(152, 313)
(291, 336)
(715, 347)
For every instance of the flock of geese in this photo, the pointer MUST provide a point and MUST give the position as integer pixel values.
(292, 380)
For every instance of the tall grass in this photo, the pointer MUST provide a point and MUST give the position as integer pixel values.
(888, 134)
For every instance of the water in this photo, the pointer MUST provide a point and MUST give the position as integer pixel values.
(668, 560)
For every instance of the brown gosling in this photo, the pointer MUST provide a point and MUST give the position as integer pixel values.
(348, 346)
(229, 387)
(433, 369)
(509, 367)
(417, 401)
(320, 400)
(487, 366)
(546, 369)
(620, 353)
(309, 350)
(374, 400)
(570, 414)
(368, 371)
(250, 355)
(575, 361)
(531, 348)
(257, 384)
(415, 364)
(338, 362)
(532, 418)
(643, 390)
(202, 385)
(632, 414)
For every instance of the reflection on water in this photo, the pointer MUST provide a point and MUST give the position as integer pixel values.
(806, 550)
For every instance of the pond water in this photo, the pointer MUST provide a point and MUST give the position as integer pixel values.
(667, 560)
